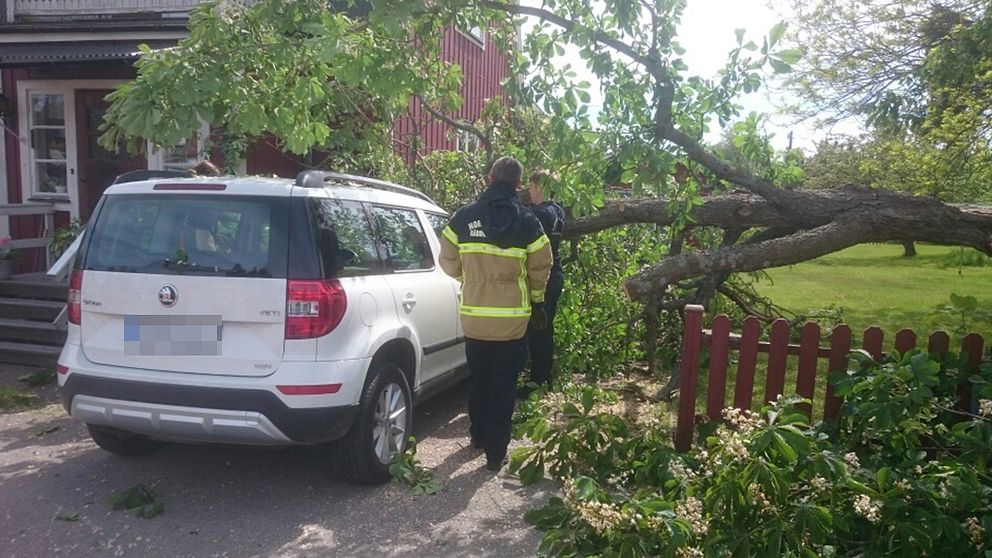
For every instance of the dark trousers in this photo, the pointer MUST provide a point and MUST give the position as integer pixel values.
(495, 366)
(542, 342)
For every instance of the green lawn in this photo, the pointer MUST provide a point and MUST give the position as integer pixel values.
(873, 284)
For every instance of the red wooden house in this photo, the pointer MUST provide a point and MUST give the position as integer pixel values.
(60, 58)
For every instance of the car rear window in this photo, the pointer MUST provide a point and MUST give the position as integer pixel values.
(242, 236)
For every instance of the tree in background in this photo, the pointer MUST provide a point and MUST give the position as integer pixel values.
(919, 75)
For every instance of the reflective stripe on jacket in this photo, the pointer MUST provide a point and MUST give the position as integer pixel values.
(497, 249)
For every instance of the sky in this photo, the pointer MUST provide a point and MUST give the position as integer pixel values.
(707, 34)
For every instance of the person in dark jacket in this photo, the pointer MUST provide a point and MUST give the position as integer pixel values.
(495, 246)
(542, 341)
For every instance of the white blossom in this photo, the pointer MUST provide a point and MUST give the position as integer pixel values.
(868, 508)
(985, 408)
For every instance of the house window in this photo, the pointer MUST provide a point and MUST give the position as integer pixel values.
(466, 141)
(475, 34)
(183, 156)
(47, 129)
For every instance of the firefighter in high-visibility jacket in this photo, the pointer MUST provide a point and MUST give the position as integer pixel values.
(497, 249)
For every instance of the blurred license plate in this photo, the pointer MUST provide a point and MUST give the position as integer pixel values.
(172, 335)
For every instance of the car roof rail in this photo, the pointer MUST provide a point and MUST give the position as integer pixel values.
(319, 179)
(148, 174)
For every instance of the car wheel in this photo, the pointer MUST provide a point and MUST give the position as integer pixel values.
(119, 441)
(380, 431)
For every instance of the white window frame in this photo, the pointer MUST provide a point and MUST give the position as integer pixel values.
(156, 154)
(67, 88)
(466, 141)
(476, 35)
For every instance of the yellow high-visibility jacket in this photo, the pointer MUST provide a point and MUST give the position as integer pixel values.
(497, 249)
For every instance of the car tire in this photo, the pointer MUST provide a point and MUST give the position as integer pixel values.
(120, 442)
(381, 428)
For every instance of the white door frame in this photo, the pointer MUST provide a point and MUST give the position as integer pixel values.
(5, 190)
(67, 88)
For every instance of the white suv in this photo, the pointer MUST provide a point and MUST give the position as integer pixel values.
(260, 311)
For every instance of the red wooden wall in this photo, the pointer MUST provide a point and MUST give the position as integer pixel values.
(483, 68)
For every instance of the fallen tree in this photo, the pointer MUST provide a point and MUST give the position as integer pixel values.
(806, 226)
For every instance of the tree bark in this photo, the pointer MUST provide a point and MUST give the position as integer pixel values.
(908, 249)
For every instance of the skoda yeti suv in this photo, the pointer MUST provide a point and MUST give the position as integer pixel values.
(260, 311)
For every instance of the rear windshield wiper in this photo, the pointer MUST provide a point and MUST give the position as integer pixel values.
(176, 265)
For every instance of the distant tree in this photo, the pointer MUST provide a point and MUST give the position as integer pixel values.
(919, 74)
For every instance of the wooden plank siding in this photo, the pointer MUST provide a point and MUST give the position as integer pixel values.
(483, 69)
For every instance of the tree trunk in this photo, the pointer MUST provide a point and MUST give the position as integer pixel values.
(909, 249)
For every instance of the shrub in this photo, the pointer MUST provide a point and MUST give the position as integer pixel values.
(903, 472)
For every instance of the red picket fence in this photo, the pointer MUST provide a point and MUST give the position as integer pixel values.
(720, 342)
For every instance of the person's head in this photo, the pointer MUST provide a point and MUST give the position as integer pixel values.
(507, 171)
(535, 187)
(205, 168)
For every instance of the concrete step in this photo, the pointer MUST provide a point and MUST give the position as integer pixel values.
(28, 309)
(28, 331)
(29, 354)
(38, 290)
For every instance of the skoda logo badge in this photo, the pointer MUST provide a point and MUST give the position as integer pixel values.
(167, 295)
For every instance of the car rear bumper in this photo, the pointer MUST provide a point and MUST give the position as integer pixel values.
(197, 413)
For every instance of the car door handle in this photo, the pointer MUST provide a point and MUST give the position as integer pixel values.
(409, 302)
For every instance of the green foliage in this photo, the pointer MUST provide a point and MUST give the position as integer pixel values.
(14, 400)
(746, 146)
(408, 471)
(900, 473)
(309, 75)
(965, 313)
(62, 237)
(38, 378)
(140, 500)
(595, 329)
(47, 430)
(967, 258)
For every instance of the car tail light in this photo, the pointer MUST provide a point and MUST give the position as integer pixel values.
(313, 308)
(62, 369)
(75, 299)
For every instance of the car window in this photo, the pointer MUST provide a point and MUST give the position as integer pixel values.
(438, 222)
(344, 237)
(196, 234)
(406, 244)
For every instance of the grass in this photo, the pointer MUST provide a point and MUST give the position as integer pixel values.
(873, 284)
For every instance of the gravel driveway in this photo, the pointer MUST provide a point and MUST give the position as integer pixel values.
(229, 501)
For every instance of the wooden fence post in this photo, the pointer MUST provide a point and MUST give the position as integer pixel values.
(840, 346)
(809, 349)
(716, 395)
(778, 353)
(971, 345)
(692, 340)
(747, 360)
